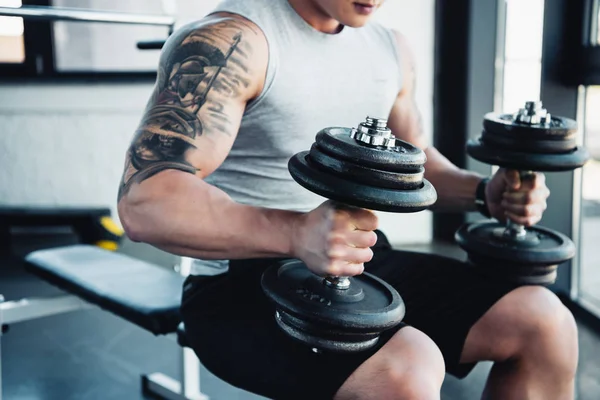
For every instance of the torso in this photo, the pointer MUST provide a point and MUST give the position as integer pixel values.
(314, 80)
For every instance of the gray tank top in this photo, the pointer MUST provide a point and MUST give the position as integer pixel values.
(314, 80)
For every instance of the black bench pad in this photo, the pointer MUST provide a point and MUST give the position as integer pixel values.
(145, 294)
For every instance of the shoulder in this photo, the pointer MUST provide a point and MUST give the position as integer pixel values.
(399, 44)
(403, 48)
(406, 62)
(225, 41)
(402, 43)
(216, 30)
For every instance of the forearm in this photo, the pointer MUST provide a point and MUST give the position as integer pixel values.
(455, 187)
(184, 215)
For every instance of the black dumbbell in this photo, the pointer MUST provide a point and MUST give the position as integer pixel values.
(529, 140)
(361, 167)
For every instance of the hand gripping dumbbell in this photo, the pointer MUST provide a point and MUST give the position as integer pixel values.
(363, 167)
(529, 140)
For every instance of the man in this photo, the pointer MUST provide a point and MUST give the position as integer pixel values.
(206, 177)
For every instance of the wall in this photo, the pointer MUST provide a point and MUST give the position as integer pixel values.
(63, 144)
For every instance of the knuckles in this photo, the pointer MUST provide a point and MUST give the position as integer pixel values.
(528, 197)
(336, 238)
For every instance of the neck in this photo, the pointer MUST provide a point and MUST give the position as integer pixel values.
(315, 16)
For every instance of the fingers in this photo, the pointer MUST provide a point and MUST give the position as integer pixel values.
(350, 240)
(361, 239)
(525, 204)
(353, 218)
(348, 250)
(534, 196)
(341, 268)
(525, 214)
(536, 180)
(349, 255)
(524, 220)
(512, 179)
(347, 261)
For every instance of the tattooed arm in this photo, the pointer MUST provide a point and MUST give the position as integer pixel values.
(456, 187)
(208, 71)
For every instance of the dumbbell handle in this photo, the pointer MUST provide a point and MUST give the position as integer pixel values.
(514, 229)
(337, 282)
(372, 133)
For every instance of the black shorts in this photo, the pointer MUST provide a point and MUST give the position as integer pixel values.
(230, 323)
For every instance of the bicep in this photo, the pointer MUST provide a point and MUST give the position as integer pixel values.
(405, 118)
(206, 76)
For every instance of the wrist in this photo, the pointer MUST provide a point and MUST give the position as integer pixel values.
(481, 203)
(285, 228)
(296, 231)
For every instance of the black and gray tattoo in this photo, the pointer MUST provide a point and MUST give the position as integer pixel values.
(197, 73)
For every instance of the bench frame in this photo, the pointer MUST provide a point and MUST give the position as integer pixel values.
(157, 384)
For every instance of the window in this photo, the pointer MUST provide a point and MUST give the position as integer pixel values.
(101, 47)
(589, 210)
(12, 43)
(522, 53)
(67, 49)
(589, 252)
(596, 23)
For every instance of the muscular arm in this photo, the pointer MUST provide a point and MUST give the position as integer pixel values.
(208, 72)
(455, 187)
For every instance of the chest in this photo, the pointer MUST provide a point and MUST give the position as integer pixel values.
(318, 85)
(335, 83)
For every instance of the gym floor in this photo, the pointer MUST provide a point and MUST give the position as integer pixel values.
(93, 355)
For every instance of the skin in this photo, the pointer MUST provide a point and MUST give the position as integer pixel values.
(208, 71)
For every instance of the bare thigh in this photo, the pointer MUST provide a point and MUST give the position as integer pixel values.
(524, 315)
(409, 365)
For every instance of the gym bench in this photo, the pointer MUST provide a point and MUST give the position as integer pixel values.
(142, 293)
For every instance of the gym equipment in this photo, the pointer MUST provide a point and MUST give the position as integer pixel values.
(144, 294)
(156, 44)
(44, 13)
(170, 8)
(360, 167)
(529, 140)
(91, 225)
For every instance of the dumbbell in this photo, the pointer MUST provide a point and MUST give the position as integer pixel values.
(362, 167)
(527, 141)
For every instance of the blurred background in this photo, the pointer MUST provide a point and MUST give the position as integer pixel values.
(72, 94)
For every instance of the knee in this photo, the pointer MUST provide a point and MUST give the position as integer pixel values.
(414, 384)
(419, 374)
(409, 366)
(545, 317)
(547, 327)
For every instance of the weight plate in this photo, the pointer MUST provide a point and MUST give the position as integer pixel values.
(481, 240)
(560, 128)
(404, 157)
(524, 274)
(334, 341)
(527, 161)
(361, 174)
(369, 306)
(528, 145)
(358, 194)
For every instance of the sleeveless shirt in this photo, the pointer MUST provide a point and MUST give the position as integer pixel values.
(314, 80)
